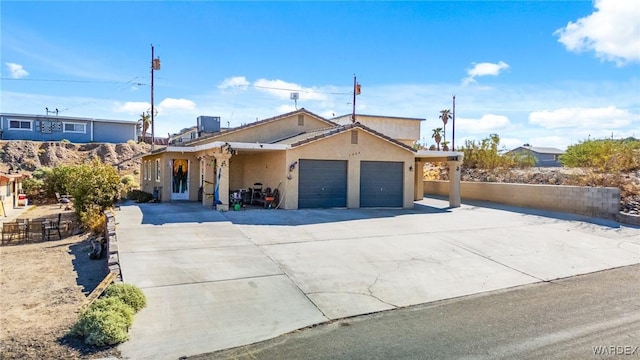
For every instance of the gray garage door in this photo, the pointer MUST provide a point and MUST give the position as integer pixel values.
(323, 184)
(381, 184)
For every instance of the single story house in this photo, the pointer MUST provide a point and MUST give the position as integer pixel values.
(312, 162)
(74, 129)
(545, 156)
(10, 188)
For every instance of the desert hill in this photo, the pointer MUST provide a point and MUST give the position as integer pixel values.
(28, 156)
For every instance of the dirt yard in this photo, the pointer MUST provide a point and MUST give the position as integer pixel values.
(42, 286)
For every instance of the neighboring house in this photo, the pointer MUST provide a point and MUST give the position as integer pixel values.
(405, 130)
(206, 125)
(10, 188)
(312, 161)
(74, 129)
(545, 156)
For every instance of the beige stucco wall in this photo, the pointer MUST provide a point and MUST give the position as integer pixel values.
(149, 183)
(339, 147)
(273, 130)
(591, 201)
(267, 168)
(406, 131)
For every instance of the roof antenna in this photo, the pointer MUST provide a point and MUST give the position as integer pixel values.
(295, 96)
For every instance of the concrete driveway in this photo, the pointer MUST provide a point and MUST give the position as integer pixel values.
(219, 280)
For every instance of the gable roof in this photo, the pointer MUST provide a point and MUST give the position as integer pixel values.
(540, 150)
(263, 122)
(377, 116)
(315, 135)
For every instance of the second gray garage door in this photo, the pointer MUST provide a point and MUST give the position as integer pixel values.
(322, 184)
(381, 184)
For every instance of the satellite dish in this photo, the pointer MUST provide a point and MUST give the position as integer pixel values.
(295, 96)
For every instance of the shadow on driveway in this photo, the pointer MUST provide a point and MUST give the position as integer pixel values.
(320, 216)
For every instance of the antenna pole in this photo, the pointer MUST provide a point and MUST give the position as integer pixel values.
(353, 114)
(153, 138)
(453, 137)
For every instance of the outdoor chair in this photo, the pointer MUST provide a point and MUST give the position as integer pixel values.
(63, 200)
(36, 230)
(12, 231)
(52, 225)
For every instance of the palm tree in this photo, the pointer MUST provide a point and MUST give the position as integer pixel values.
(445, 115)
(144, 122)
(437, 136)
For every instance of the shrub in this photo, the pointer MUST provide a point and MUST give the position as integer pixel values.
(605, 155)
(128, 294)
(93, 219)
(139, 196)
(95, 184)
(105, 322)
(32, 186)
(486, 155)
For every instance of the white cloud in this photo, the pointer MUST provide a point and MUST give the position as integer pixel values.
(484, 69)
(485, 125)
(234, 82)
(176, 104)
(586, 118)
(283, 90)
(16, 71)
(131, 107)
(612, 31)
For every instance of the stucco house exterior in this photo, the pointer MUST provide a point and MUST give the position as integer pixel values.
(545, 156)
(312, 161)
(10, 188)
(74, 129)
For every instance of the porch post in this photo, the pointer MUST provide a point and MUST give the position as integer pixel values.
(209, 184)
(455, 163)
(222, 162)
(418, 181)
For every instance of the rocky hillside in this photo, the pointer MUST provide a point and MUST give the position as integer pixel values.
(30, 155)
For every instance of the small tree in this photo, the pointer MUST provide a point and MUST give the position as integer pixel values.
(94, 185)
(143, 123)
(445, 115)
(437, 136)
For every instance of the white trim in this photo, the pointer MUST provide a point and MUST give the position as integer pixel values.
(64, 127)
(9, 120)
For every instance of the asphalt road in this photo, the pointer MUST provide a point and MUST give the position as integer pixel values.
(593, 316)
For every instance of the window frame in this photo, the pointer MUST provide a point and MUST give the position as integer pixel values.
(65, 123)
(20, 122)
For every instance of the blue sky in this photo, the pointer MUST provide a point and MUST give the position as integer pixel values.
(548, 73)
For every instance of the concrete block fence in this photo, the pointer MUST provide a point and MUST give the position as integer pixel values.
(601, 202)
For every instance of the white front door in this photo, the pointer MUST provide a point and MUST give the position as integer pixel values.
(180, 179)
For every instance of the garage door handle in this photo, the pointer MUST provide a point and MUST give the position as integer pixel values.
(381, 188)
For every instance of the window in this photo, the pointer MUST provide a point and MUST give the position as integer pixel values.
(74, 127)
(20, 124)
(157, 169)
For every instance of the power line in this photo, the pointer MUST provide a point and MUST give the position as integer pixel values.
(77, 81)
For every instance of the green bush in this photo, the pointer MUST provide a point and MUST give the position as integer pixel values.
(486, 155)
(605, 155)
(139, 196)
(105, 322)
(128, 294)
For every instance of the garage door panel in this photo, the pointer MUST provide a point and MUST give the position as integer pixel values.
(381, 184)
(322, 184)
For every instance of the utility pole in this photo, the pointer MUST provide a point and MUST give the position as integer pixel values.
(356, 91)
(353, 113)
(155, 65)
(453, 137)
